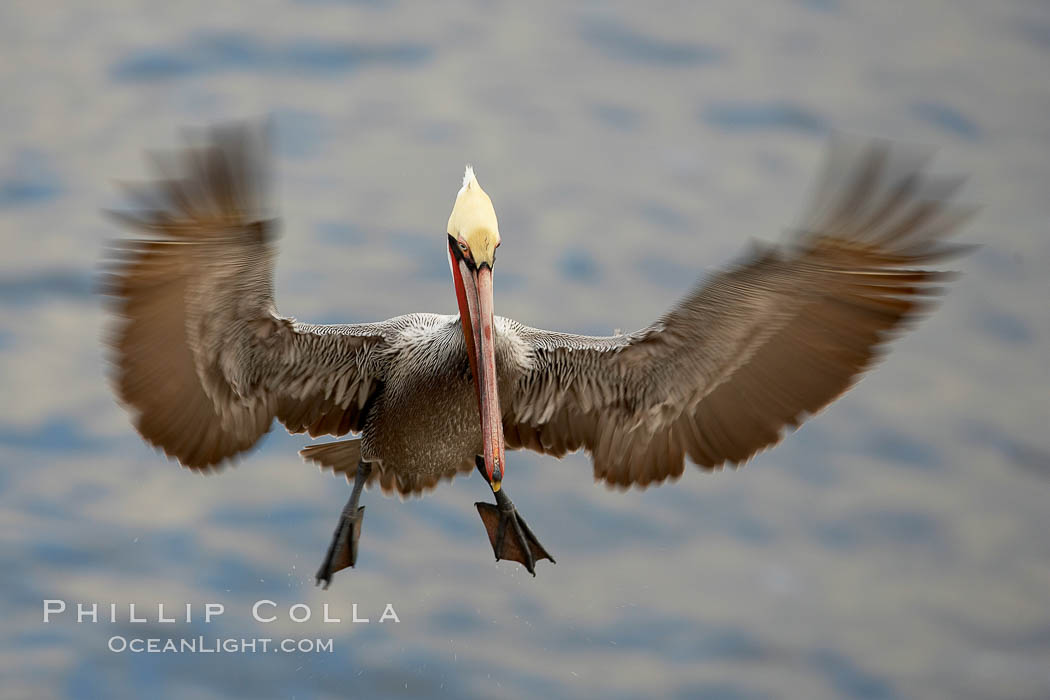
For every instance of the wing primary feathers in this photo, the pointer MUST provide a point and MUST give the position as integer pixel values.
(760, 347)
(197, 353)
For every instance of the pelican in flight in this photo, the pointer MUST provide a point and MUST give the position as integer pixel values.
(204, 362)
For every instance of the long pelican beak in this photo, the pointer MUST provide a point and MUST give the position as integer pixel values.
(474, 294)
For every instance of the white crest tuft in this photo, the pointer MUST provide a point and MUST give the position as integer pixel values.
(468, 178)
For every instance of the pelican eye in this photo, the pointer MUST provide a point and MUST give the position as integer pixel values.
(463, 246)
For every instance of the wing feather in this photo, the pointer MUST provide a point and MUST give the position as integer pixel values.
(756, 348)
(199, 354)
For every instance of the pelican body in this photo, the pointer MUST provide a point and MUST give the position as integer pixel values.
(204, 362)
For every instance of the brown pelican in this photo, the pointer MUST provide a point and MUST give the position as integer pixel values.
(204, 362)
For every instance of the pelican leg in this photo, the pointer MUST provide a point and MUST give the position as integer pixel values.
(511, 538)
(342, 552)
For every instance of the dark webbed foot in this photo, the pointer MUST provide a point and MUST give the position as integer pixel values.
(511, 538)
(342, 552)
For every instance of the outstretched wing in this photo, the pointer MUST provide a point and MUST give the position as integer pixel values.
(755, 348)
(200, 356)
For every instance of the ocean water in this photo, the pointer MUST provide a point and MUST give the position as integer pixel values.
(895, 546)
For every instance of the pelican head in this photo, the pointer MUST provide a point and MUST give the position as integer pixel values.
(473, 236)
(472, 224)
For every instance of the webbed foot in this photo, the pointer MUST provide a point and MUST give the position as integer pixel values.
(342, 552)
(511, 538)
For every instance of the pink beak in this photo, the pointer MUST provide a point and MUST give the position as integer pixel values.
(474, 294)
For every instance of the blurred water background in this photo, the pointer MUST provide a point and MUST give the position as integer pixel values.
(895, 546)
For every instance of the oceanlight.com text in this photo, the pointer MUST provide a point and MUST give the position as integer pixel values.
(218, 645)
